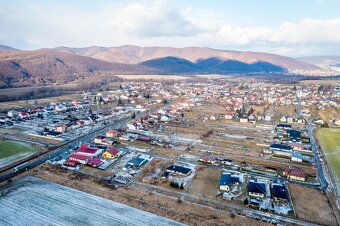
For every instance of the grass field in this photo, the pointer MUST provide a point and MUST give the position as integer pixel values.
(330, 143)
(11, 151)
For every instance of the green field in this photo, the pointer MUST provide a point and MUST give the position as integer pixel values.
(11, 151)
(329, 139)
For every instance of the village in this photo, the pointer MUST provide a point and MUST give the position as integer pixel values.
(244, 143)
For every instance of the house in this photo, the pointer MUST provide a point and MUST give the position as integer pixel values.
(225, 181)
(244, 119)
(229, 115)
(111, 153)
(136, 162)
(51, 133)
(144, 139)
(227, 162)
(297, 157)
(268, 118)
(180, 170)
(296, 146)
(281, 150)
(252, 119)
(257, 189)
(12, 114)
(293, 135)
(86, 150)
(83, 159)
(112, 133)
(279, 192)
(99, 139)
(282, 126)
(295, 174)
(336, 122)
(207, 159)
(102, 140)
(95, 162)
(24, 115)
(283, 119)
(71, 163)
(61, 128)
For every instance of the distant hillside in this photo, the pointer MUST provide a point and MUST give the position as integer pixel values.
(323, 61)
(7, 48)
(23, 68)
(211, 65)
(152, 56)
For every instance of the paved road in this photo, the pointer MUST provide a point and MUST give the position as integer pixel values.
(322, 179)
(74, 142)
(83, 139)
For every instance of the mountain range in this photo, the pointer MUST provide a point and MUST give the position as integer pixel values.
(325, 62)
(65, 64)
(187, 56)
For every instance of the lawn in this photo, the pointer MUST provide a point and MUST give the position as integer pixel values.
(329, 139)
(11, 151)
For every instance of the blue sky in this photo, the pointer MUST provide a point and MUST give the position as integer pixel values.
(288, 27)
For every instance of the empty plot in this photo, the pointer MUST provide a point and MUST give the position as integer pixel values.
(38, 202)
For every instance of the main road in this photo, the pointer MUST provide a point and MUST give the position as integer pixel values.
(310, 126)
(58, 150)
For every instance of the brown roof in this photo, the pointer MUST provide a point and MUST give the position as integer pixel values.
(296, 172)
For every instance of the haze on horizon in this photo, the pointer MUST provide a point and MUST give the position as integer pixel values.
(292, 28)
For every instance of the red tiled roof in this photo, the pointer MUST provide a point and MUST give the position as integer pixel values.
(76, 157)
(95, 161)
(296, 172)
(143, 139)
(113, 151)
(112, 132)
(85, 149)
(70, 163)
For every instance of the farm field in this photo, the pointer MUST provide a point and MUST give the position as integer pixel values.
(11, 151)
(44, 203)
(329, 141)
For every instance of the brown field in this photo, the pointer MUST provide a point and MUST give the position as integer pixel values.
(329, 114)
(16, 91)
(284, 110)
(312, 205)
(167, 152)
(37, 102)
(205, 182)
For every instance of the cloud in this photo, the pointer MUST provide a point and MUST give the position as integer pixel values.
(158, 18)
(156, 23)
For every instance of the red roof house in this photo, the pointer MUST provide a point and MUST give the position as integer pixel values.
(295, 174)
(83, 159)
(88, 151)
(95, 162)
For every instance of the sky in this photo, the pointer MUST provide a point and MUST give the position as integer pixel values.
(287, 27)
